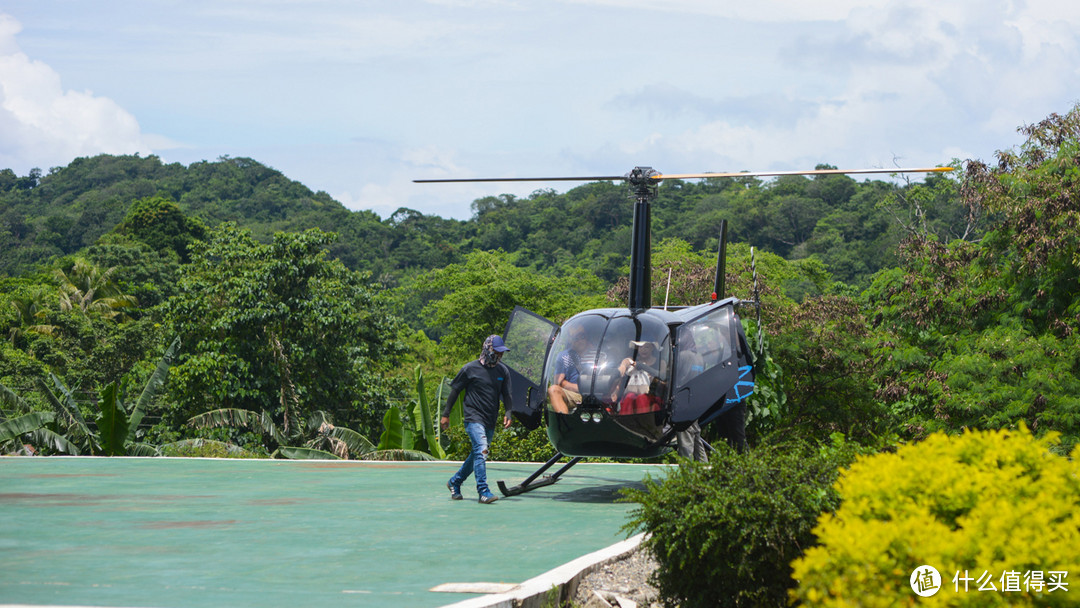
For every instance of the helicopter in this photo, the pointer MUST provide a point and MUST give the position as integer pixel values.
(624, 382)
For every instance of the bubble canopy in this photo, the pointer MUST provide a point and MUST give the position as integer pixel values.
(602, 342)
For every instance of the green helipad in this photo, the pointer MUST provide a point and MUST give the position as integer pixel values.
(191, 532)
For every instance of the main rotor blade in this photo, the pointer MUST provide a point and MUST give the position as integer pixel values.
(662, 176)
(523, 179)
(810, 172)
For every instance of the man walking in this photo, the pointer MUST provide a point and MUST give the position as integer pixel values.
(485, 381)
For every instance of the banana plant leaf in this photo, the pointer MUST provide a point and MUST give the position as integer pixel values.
(53, 440)
(392, 437)
(457, 413)
(415, 455)
(14, 427)
(143, 449)
(409, 437)
(112, 423)
(153, 385)
(429, 426)
(358, 444)
(67, 410)
(259, 422)
(295, 453)
(8, 397)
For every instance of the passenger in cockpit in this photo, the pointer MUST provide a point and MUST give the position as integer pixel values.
(641, 369)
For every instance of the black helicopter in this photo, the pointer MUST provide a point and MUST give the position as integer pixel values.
(641, 374)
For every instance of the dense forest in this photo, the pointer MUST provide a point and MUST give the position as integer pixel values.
(156, 308)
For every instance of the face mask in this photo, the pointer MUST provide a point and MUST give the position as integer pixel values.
(488, 356)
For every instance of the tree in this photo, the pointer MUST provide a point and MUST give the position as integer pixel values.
(65, 429)
(29, 313)
(161, 224)
(281, 330)
(474, 299)
(23, 431)
(87, 289)
(987, 334)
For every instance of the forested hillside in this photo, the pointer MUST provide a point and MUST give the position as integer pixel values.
(71, 207)
(891, 309)
(851, 226)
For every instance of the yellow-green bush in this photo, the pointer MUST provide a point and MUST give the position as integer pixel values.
(994, 502)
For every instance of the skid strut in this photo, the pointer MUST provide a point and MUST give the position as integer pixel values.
(530, 482)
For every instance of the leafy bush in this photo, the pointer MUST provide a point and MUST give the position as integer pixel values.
(206, 448)
(517, 444)
(993, 502)
(725, 532)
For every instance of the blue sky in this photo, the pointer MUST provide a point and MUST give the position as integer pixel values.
(358, 98)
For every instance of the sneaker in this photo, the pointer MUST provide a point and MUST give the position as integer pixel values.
(487, 499)
(455, 491)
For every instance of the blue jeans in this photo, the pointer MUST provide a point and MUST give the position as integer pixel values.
(477, 460)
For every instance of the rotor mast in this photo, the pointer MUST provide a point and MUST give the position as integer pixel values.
(643, 182)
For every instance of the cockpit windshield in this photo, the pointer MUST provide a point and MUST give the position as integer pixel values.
(621, 364)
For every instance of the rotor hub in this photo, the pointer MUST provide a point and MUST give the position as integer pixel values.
(643, 181)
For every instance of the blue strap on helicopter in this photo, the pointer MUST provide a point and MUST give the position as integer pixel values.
(743, 388)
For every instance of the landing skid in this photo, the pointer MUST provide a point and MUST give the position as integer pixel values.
(530, 482)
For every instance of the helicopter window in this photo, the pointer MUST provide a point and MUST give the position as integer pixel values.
(574, 355)
(705, 343)
(529, 335)
(591, 349)
(634, 375)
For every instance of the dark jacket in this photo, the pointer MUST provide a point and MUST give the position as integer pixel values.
(483, 387)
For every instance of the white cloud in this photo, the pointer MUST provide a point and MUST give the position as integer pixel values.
(758, 11)
(358, 100)
(41, 124)
(924, 81)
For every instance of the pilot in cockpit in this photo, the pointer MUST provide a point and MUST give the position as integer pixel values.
(565, 389)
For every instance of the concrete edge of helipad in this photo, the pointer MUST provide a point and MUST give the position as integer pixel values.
(535, 592)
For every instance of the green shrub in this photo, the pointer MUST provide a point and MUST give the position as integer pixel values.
(725, 532)
(206, 448)
(985, 503)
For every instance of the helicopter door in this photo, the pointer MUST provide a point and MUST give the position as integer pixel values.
(529, 336)
(707, 365)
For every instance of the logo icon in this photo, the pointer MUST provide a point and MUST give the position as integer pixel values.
(925, 581)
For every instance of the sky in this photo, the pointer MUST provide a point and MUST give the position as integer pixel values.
(358, 98)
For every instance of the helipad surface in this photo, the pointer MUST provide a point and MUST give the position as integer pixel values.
(192, 533)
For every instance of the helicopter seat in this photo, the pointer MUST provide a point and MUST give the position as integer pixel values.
(635, 403)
